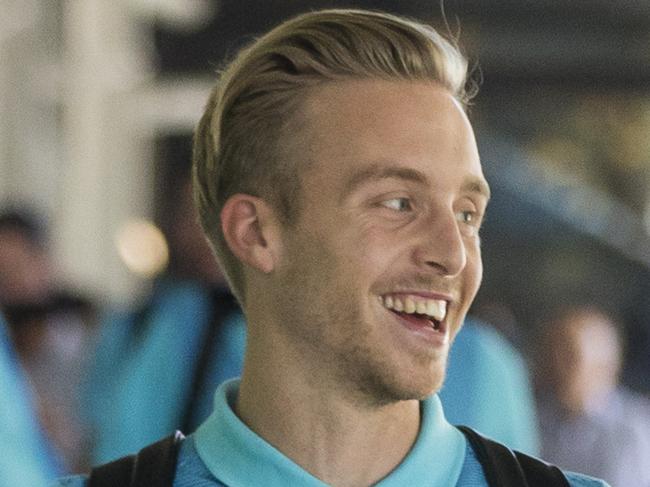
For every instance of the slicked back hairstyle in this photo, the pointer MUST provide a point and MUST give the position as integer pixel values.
(244, 139)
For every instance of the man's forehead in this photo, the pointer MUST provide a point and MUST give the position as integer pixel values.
(388, 109)
(320, 98)
(375, 129)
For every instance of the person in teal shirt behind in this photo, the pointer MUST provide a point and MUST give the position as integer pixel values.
(146, 365)
(157, 364)
(338, 180)
(27, 460)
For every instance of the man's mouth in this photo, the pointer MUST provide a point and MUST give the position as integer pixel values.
(413, 307)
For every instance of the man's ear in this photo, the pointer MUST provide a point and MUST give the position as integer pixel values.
(250, 227)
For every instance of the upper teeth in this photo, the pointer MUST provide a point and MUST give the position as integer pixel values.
(435, 308)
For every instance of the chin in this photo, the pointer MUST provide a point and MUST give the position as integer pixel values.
(432, 386)
(417, 392)
(427, 380)
(414, 386)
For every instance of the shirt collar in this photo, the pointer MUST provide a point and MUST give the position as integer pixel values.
(238, 457)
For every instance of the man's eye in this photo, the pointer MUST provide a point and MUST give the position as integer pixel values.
(468, 217)
(398, 204)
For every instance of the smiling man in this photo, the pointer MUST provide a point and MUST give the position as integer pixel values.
(338, 180)
(361, 293)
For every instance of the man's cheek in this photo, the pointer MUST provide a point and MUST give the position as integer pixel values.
(474, 268)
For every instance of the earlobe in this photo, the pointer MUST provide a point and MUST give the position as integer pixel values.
(246, 223)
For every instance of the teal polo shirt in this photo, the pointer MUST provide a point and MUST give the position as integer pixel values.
(224, 452)
(238, 457)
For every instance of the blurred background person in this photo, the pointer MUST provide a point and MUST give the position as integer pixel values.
(588, 420)
(49, 328)
(157, 365)
(27, 459)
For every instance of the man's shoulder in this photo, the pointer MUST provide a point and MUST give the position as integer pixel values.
(579, 480)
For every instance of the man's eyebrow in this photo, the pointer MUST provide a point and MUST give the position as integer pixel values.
(478, 186)
(378, 171)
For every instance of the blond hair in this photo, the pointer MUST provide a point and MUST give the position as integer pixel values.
(243, 141)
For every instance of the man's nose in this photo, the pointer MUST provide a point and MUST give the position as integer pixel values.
(441, 246)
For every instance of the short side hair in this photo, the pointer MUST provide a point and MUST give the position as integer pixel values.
(243, 141)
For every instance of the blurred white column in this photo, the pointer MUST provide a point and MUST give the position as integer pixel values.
(108, 159)
(28, 104)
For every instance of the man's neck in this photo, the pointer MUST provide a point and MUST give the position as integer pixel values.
(327, 432)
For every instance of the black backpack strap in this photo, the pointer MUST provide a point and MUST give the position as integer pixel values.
(153, 466)
(540, 473)
(504, 467)
(222, 306)
(112, 474)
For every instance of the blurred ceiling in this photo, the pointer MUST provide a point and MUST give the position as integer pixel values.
(578, 43)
